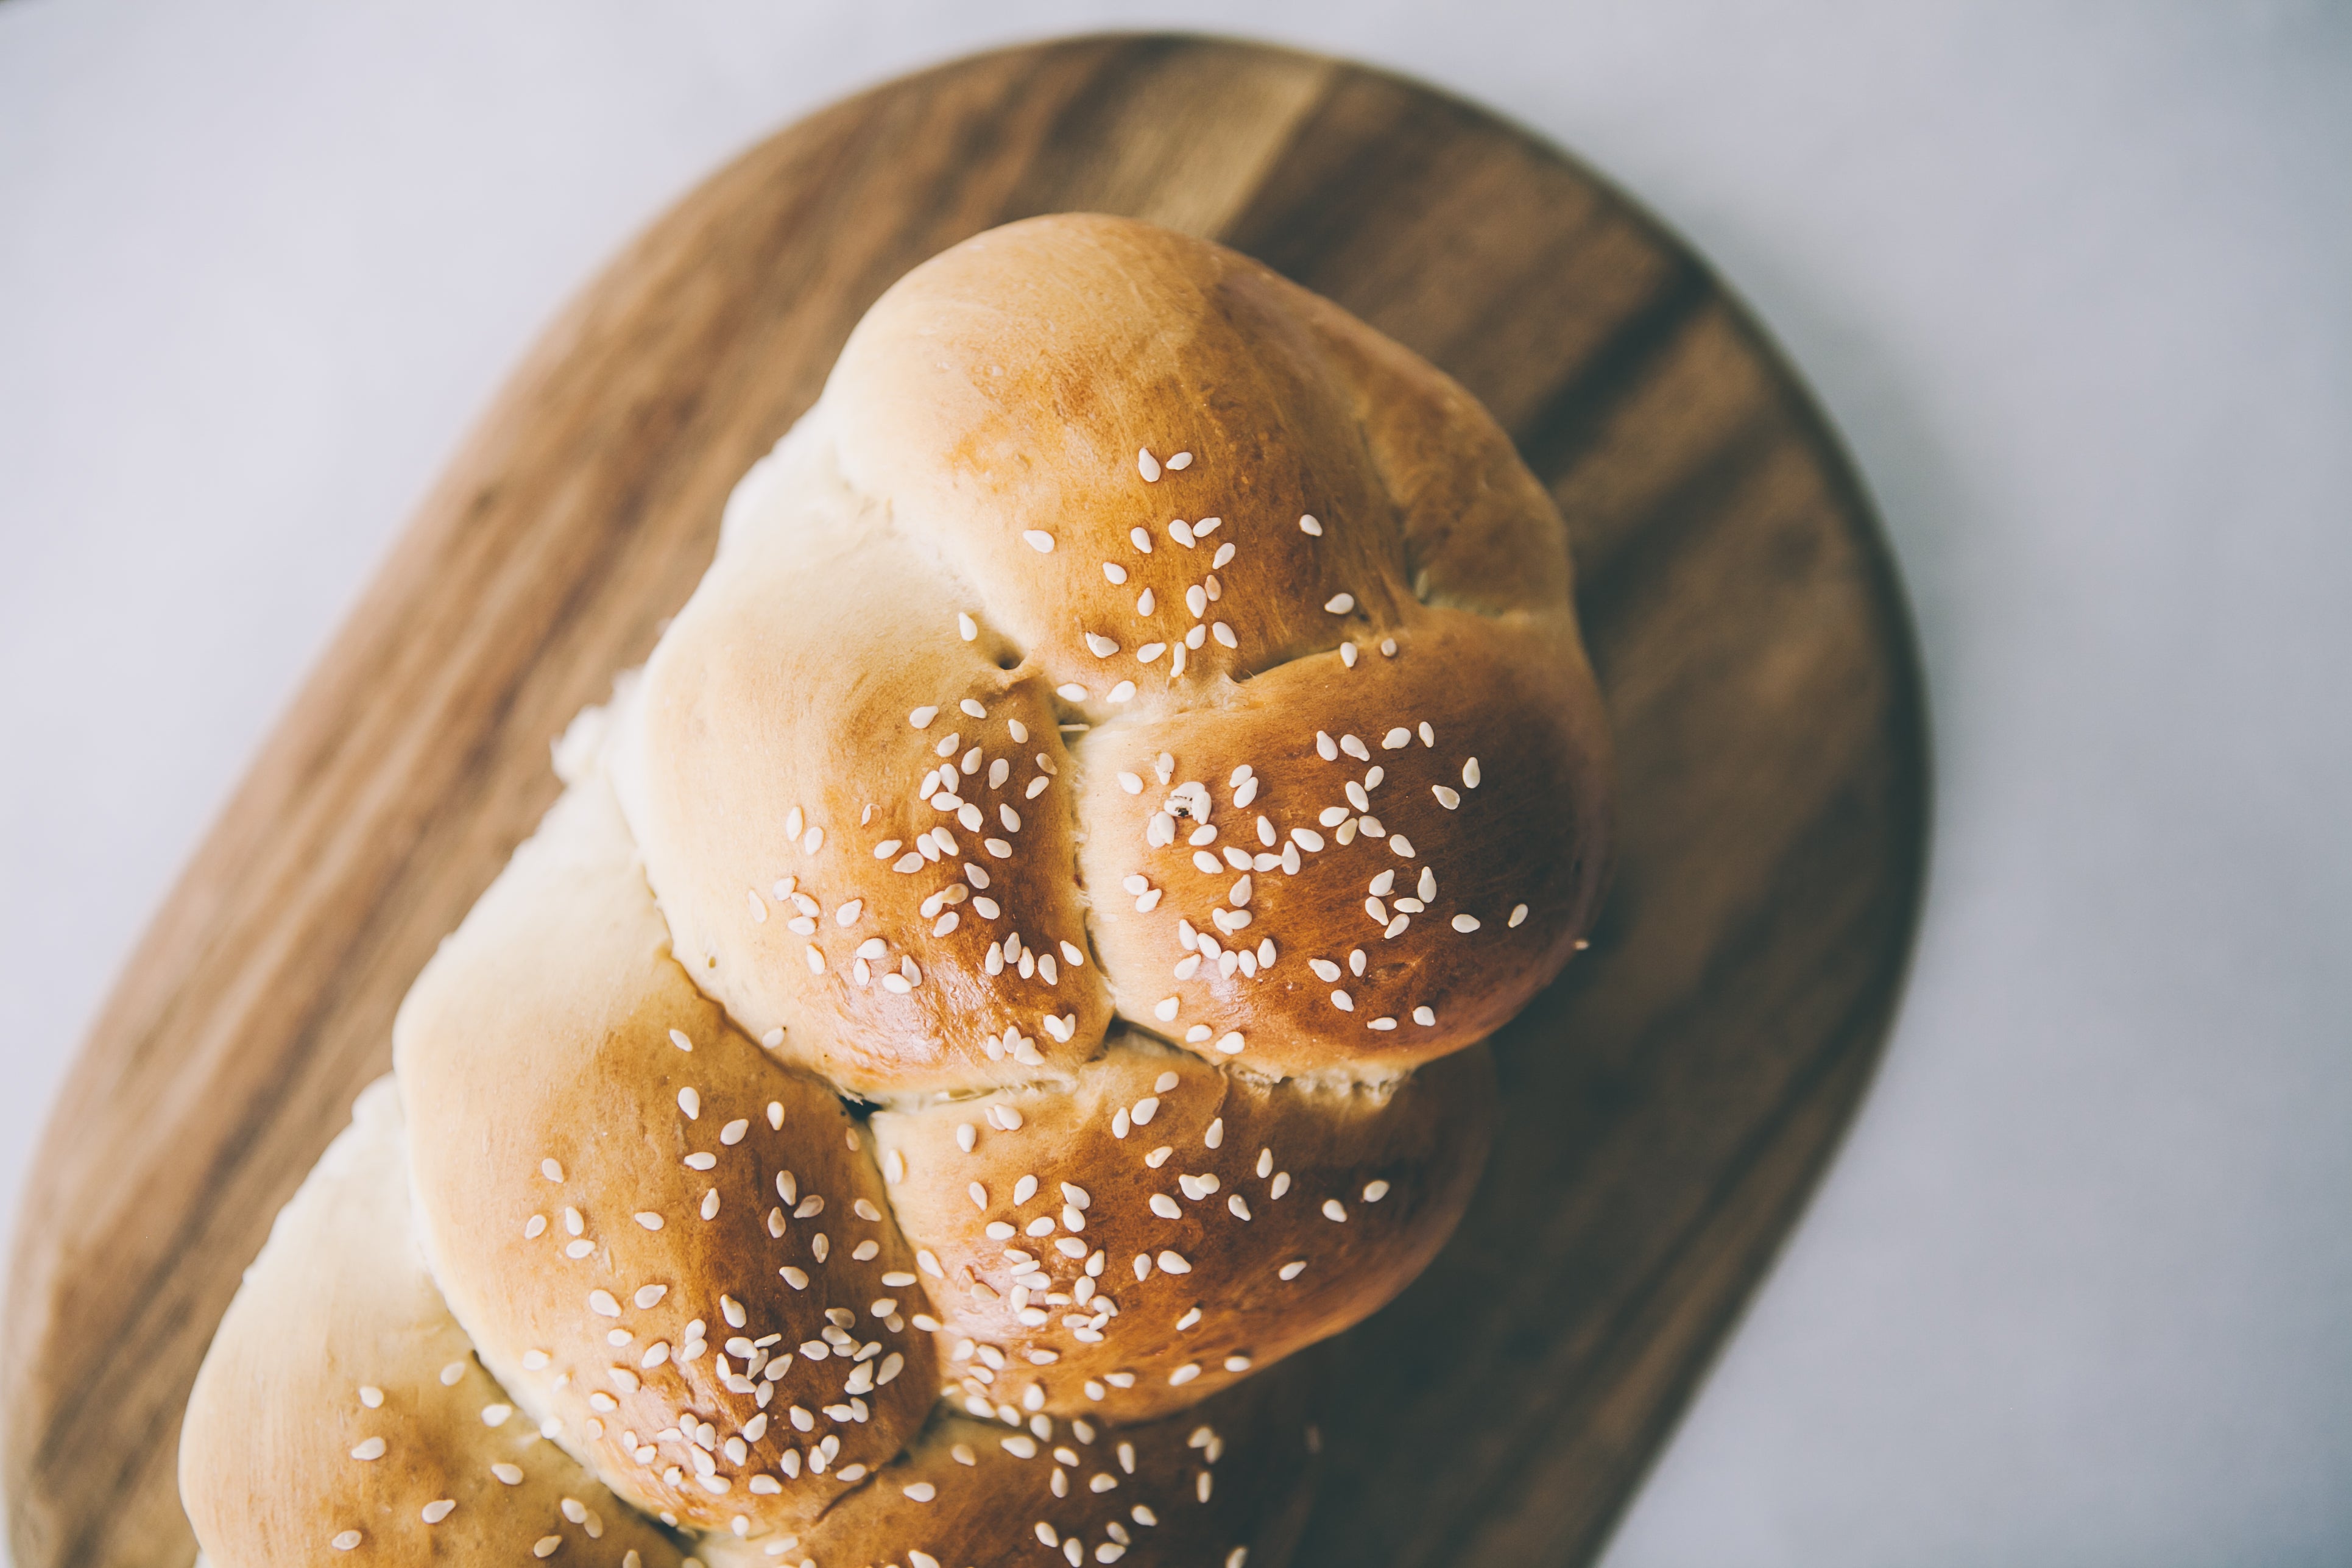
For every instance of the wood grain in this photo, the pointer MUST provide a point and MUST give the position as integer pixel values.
(1668, 1103)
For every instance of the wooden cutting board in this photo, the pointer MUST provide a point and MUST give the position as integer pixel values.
(1667, 1104)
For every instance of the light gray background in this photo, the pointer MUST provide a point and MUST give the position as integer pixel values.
(2076, 284)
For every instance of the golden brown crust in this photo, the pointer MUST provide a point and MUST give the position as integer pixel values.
(784, 806)
(1226, 1484)
(341, 1414)
(551, 1113)
(1163, 1229)
(1409, 862)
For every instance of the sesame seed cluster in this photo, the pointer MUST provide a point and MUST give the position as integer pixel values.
(1008, 973)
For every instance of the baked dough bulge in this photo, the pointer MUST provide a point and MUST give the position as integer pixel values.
(1161, 1229)
(673, 1247)
(1008, 973)
(341, 1409)
(1226, 1483)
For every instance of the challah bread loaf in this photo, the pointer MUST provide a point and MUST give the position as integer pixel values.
(1008, 973)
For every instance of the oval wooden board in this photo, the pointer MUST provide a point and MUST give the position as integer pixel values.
(1667, 1104)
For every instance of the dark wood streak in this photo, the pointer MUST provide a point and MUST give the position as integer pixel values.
(1667, 1104)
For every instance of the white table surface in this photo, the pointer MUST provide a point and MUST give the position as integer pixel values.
(2075, 283)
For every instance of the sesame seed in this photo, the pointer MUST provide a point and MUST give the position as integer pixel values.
(1423, 1016)
(979, 1195)
(1185, 1373)
(435, 1511)
(551, 1170)
(1307, 525)
(921, 717)
(1388, 648)
(1465, 922)
(345, 1541)
(1224, 553)
(509, 1474)
(546, 1545)
(1341, 604)
(1071, 692)
(1399, 736)
(1348, 654)
(1230, 1043)
(1149, 467)
(1470, 773)
(1123, 692)
(1173, 1263)
(372, 1448)
(966, 628)
(649, 1219)
(1099, 646)
(1115, 572)
(1038, 539)
(1342, 1001)
(1293, 1269)
(1224, 634)
(690, 1102)
(1519, 912)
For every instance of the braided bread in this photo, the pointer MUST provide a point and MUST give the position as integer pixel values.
(1007, 972)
